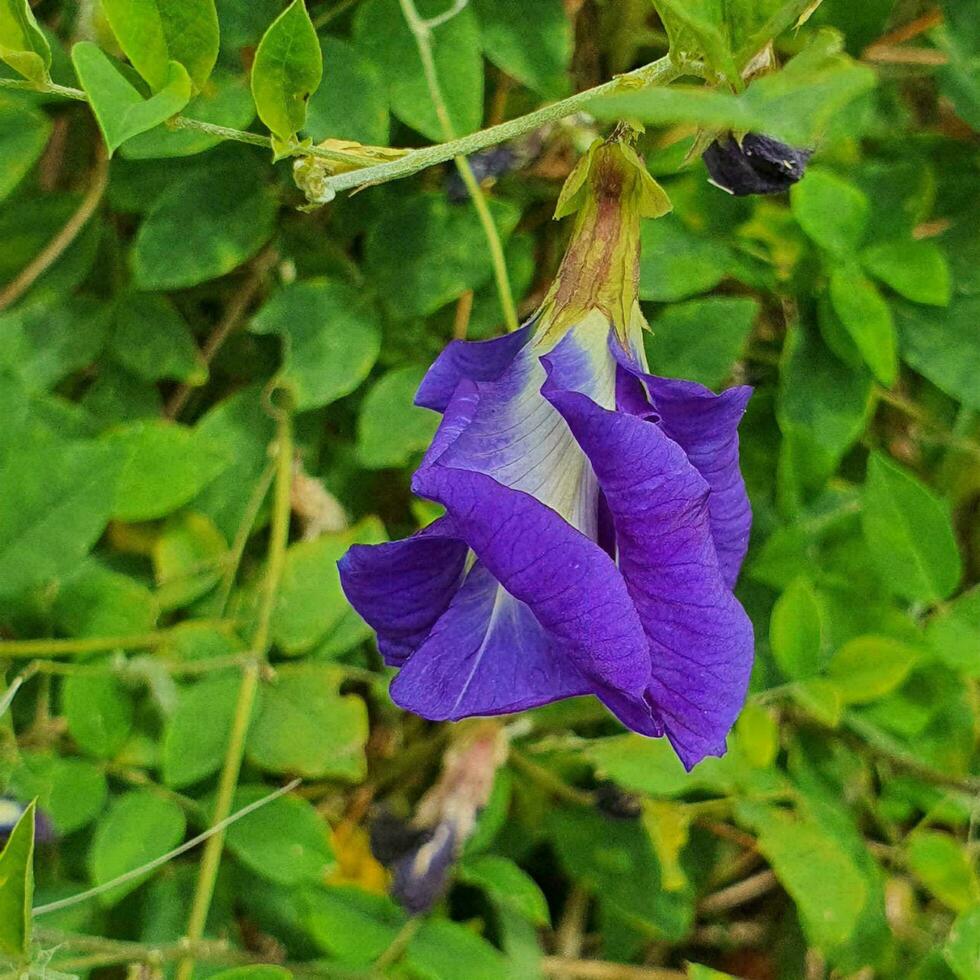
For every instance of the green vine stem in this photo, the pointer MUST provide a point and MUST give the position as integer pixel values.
(247, 692)
(422, 31)
(33, 649)
(658, 72)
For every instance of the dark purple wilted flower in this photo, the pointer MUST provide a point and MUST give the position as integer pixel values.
(422, 854)
(595, 517)
(754, 165)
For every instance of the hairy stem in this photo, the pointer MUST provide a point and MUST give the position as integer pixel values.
(658, 72)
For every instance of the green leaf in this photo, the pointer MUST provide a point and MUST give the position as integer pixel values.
(831, 210)
(944, 345)
(17, 887)
(152, 33)
(390, 428)
(803, 100)
(916, 270)
(702, 339)
(330, 336)
(796, 631)
(952, 633)
(945, 867)
(822, 409)
(423, 252)
(795, 104)
(698, 27)
(242, 429)
(310, 601)
(651, 766)
(361, 112)
(868, 319)
(381, 33)
(224, 101)
(530, 41)
(441, 946)
(286, 71)
(615, 860)
(139, 827)
(24, 133)
(99, 712)
(188, 559)
(819, 874)
(195, 738)
(97, 601)
(821, 698)
(909, 534)
(23, 45)
(962, 949)
(116, 396)
(676, 263)
(119, 109)
(869, 667)
(166, 465)
(152, 340)
(351, 924)
(44, 342)
(285, 841)
(56, 503)
(695, 971)
(507, 885)
(203, 229)
(757, 736)
(71, 792)
(305, 727)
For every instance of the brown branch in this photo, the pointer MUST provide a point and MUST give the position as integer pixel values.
(51, 252)
(913, 28)
(740, 893)
(461, 318)
(233, 315)
(898, 54)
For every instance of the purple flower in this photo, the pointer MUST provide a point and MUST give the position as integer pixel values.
(595, 516)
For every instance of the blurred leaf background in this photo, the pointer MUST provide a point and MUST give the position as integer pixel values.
(206, 398)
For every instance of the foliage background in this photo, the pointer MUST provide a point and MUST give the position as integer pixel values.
(145, 476)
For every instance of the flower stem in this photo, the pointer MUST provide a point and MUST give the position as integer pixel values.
(247, 692)
(422, 32)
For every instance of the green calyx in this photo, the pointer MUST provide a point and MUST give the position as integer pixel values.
(609, 191)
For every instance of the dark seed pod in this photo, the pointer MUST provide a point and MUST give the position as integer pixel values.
(616, 802)
(757, 165)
